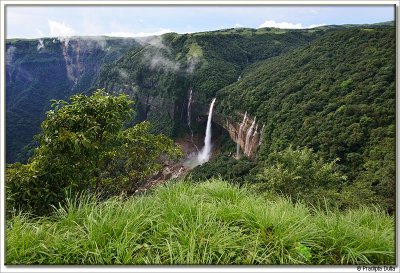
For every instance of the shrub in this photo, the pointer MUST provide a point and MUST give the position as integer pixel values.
(301, 174)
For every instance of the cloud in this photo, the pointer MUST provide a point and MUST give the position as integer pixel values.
(238, 26)
(286, 25)
(138, 34)
(317, 25)
(64, 32)
(58, 29)
(158, 61)
(192, 63)
(122, 73)
(155, 41)
(40, 44)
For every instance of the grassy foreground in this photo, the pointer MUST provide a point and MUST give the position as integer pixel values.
(208, 223)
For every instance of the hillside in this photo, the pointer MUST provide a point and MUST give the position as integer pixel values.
(158, 72)
(336, 96)
(297, 166)
(330, 89)
(41, 70)
(160, 76)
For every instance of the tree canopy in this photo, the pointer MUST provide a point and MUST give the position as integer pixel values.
(84, 145)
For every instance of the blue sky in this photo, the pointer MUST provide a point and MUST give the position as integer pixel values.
(134, 21)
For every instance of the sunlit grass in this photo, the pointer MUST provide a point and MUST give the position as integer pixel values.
(207, 223)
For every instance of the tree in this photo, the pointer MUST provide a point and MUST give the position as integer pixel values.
(83, 146)
(301, 174)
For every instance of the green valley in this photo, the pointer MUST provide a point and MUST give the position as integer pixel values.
(234, 146)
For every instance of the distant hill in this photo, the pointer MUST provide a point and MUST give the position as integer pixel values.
(39, 70)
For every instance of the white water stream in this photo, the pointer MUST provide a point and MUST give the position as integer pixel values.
(205, 152)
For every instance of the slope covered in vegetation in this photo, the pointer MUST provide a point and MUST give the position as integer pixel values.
(160, 75)
(209, 223)
(40, 70)
(325, 96)
(336, 96)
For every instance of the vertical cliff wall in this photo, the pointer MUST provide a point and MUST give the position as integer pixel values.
(250, 131)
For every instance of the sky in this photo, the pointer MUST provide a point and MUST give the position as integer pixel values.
(139, 21)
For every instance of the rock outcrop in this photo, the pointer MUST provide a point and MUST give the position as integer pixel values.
(246, 133)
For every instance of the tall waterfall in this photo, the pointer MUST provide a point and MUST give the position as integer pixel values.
(189, 107)
(205, 153)
(249, 132)
(240, 135)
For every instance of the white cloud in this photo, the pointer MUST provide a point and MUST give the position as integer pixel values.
(61, 31)
(317, 25)
(58, 29)
(238, 26)
(286, 25)
(272, 23)
(137, 34)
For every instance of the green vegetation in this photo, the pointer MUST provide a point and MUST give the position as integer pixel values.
(226, 167)
(84, 146)
(320, 190)
(302, 175)
(208, 223)
(160, 74)
(29, 86)
(336, 96)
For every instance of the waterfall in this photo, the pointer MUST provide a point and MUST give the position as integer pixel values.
(205, 153)
(240, 135)
(246, 145)
(189, 107)
(255, 130)
(253, 141)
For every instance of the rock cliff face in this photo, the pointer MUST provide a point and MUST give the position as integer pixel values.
(146, 104)
(247, 134)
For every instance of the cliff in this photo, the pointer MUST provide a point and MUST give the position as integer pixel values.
(39, 70)
(246, 134)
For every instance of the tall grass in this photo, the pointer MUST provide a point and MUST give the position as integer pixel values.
(208, 223)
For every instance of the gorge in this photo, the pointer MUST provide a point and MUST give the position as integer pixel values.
(330, 88)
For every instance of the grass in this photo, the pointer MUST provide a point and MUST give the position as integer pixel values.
(208, 223)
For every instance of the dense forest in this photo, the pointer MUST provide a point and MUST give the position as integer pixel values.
(88, 146)
(335, 96)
